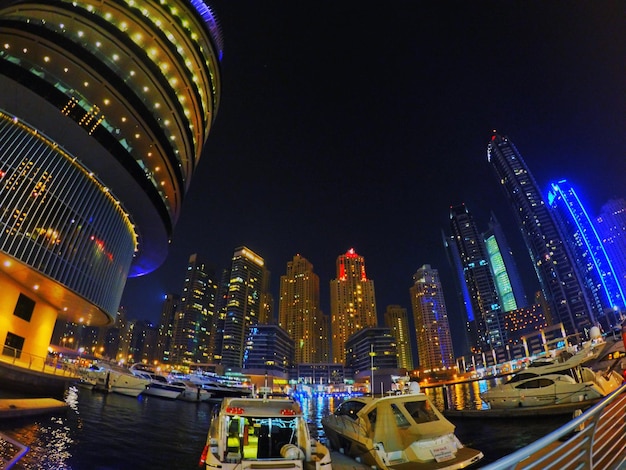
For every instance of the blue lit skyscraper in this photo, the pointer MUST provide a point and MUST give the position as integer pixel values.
(559, 280)
(611, 225)
(104, 111)
(602, 289)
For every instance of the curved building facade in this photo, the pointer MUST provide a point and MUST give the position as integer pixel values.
(104, 111)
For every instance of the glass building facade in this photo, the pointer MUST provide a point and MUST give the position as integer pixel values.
(477, 276)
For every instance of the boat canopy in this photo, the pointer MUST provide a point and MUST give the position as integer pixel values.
(399, 421)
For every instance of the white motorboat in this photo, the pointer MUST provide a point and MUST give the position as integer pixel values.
(552, 382)
(220, 386)
(158, 385)
(115, 380)
(192, 392)
(397, 431)
(258, 433)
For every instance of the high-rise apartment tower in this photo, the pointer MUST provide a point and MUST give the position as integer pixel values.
(195, 319)
(244, 303)
(434, 342)
(397, 320)
(352, 302)
(299, 309)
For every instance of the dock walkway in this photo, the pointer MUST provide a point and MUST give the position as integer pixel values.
(19, 407)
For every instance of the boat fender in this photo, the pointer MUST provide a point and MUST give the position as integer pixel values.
(291, 452)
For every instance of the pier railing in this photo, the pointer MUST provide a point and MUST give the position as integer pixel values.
(47, 365)
(594, 440)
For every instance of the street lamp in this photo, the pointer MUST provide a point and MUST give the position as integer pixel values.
(372, 367)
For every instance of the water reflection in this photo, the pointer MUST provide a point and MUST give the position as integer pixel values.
(461, 396)
(120, 432)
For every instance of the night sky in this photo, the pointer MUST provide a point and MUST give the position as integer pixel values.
(358, 124)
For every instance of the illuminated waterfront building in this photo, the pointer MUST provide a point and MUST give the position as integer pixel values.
(611, 225)
(104, 112)
(397, 320)
(434, 342)
(558, 278)
(195, 319)
(299, 310)
(521, 323)
(602, 289)
(352, 302)
(371, 348)
(268, 348)
(487, 330)
(247, 291)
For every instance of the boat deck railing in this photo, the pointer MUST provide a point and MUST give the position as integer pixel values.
(596, 439)
(46, 365)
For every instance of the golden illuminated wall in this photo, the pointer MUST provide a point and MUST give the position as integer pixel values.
(44, 317)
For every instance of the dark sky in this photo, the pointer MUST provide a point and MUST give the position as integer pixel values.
(358, 124)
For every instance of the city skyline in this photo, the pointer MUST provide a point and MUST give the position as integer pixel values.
(365, 135)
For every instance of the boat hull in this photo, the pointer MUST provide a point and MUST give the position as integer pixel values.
(170, 392)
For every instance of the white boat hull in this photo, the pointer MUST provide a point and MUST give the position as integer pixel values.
(170, 392)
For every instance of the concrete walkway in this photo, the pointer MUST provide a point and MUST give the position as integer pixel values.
(18, 407)
(343, 462)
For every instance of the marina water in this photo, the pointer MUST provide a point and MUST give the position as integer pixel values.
(115, 432)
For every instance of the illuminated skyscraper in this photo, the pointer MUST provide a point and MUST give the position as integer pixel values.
(166, 327)
(104, 111)
(434, 342)
(299, 309)
(195, 318)
(559, 280)
(603, 291)
(503, 268)
(611, 224)
(488, 328)
(352, 302)
(397, 320)
(244, 303)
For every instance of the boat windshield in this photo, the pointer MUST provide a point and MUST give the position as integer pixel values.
(421, 411)
(349, 408)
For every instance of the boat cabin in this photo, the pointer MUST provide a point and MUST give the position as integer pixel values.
(254, 429)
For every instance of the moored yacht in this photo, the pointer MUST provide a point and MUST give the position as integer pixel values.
(158, 385)
(402, 431)
(117, 380)
(553, 382)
